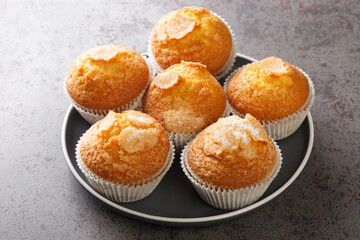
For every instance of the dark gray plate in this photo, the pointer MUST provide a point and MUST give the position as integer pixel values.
(174, 201)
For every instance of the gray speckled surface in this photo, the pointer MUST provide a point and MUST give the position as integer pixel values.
(39, 197)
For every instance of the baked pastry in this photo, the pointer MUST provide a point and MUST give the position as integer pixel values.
(107, 78)
(232, 162)
(125, 151)
(192, 34)
(271, 90)
(185, 98)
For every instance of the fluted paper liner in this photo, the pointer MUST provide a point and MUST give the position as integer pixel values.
(220, 73)
(125, 192)
(181, 139)
(94, 115)
(229, 199)
(284, 127)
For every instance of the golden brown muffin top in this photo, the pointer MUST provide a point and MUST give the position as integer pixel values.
(232, 153)
(192, 34)
(107, 77)
(269, 90)
(185, 98)
(125, 147)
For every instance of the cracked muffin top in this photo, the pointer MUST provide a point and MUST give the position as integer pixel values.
(125, 147)
(106, 77)
(191, 34)
(269, 90)
(232, 153)
(185, 98)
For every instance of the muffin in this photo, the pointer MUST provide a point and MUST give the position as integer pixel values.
(276, 93)
(193, 34)
(106, 78)
(232, 162)
(185, 98)
(125, 155)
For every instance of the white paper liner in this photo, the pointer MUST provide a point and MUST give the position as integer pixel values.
(220, 73)
(286, 126)
(234, 198)
(94, 115)
(125, 192)
(181, 139)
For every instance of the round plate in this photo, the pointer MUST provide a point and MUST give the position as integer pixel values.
(175, 201)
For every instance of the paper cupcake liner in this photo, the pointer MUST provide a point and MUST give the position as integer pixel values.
(229, 199)
(152, 70)
(125, 192)
(232, 57)
(181, 139)
(284, 127)
(227, 111)
(94, 115)
(220, 73)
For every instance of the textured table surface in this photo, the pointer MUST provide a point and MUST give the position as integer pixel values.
(40, 198)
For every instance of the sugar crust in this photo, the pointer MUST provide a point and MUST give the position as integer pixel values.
(125, 147)
(191, 34)
(191, 99)
(232, 153)
(269, 90)
(106, 77)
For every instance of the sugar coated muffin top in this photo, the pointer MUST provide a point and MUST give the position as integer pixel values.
(232, 153)
(269, 90)
(191, 34)
(125, 147)
(185, 98)
(106, 77)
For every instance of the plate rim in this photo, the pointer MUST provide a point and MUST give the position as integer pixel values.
(197, 220)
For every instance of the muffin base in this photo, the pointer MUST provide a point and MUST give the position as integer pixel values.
(229, 199)
(125, 192)
(284, 127)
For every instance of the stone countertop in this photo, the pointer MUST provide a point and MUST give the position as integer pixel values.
(40, 198)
